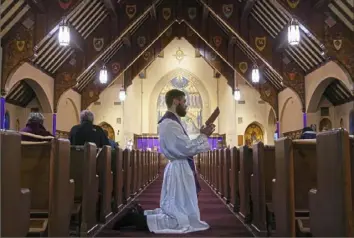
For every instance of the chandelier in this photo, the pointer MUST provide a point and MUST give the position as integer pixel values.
(103, 75)
(122, 95)
(255, 74)
(293, 33)
(64, 34)
(237, 94)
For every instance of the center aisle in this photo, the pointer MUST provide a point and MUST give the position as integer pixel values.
(222, 222)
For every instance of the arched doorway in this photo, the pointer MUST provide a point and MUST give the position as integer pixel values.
(325, 124)
(109, 128)
(253, 134)
(193, 120)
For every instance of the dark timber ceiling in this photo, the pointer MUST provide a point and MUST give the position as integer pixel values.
(21, 94)
(127, 35)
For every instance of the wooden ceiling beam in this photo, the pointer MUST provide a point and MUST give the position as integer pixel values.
(248, 5)
(110, 5)
(320, 3)
(77, 41)
(37, 6)
(153, 12)
(204, 18)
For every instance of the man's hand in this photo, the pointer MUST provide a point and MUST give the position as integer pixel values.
(207, 130)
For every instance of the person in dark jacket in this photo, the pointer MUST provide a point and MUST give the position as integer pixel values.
(87, 131)
(34, 130)
(308, 133)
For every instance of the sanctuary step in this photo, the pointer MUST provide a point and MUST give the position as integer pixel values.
(213, 211)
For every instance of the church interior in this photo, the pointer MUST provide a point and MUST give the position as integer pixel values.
(273, 67)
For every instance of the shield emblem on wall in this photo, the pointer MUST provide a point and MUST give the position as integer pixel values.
(293, 3)
(166, 13)
(260, 43)
(337, 44)
(115, 67)
(227, 9)
(20, 45)
(267, 92)
(98, 43)
(130, 10)
(146, 55)
(192, 13)
(141, 41)
(65, 4)
(243, 66)
(292, 75)
(217, 40)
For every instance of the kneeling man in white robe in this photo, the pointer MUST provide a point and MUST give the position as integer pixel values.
(179, 212)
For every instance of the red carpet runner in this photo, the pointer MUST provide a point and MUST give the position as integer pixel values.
(222, 222)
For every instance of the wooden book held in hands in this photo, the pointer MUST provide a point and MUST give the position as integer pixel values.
(213, 117)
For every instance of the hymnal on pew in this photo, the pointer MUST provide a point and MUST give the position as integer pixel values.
(213, 117)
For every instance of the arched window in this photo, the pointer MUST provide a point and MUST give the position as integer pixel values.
(7, 120)
(193, 120)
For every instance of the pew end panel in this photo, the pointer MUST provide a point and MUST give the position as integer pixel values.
(246, 167)
(261, 179)
(234, 179)
(15, 201)
(104, 172)
(331, 204)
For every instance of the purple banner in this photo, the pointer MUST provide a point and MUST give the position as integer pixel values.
(278, 129)
(304, 118)
(54, 129)
(2, 113)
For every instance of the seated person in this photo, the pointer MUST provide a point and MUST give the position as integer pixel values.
(308, 133)
(112, 143)
(34, 130)
(87, 131)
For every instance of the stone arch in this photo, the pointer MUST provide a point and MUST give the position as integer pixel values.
(254, 129)
(317, 81)
(106, 126)
(315, 99)
(162, 83)
(41, 83)
(68, 113)
(295, 114)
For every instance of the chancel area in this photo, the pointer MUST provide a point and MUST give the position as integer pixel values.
(84, 84)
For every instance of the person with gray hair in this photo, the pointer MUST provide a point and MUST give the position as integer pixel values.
(86, 131)
(34, 129)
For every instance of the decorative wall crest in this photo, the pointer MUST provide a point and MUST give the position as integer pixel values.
(130, 10)
(65, 4)
(192, 12)
(337, 43)
(146, 55)
(227, 9)
(166, 13)
(243, 66)
(115, 67)
(179, 55)
(293, 3)
(98, 43)
(141, 41)
(217, 41)
(260, 42)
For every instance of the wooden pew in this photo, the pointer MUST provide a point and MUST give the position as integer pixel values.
(127, 175)
(105, 187)
(295, 164)
(246, 166)
(45, 171)
(15, 201)
(331, 202)
(234, 179)
(225, 174)
(220, 158)
(134, 173)
(83, 171)
(261, 179)
(140, 170)
(117, 169)
(214, 170)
